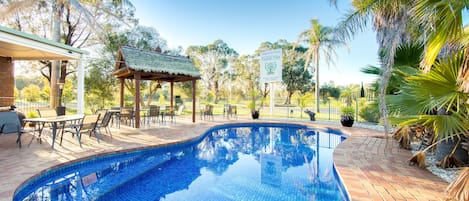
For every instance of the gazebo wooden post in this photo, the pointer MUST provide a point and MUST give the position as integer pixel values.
(172, 96)
(121, 103)
(193, 100)
(137, 78)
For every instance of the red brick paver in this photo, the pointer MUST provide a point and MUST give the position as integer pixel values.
(373, 168)
(370, 168)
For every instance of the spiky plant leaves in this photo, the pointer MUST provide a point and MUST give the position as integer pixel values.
(458, 190)
(426, 93)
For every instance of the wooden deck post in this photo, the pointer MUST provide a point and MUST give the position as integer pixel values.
(121, 104)
(193, 100)
(137, 78)
(172, 95)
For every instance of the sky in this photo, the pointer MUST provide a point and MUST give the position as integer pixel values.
(245, 24)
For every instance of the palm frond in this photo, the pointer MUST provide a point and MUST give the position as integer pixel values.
(418, 159)
(353, 23)
(458, 189)
(373, 70)
(446, 20)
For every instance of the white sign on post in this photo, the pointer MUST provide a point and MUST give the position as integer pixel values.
(271, 71)
(271, 66)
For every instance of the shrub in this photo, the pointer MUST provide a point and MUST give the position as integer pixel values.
(370, 112)
(347, 110)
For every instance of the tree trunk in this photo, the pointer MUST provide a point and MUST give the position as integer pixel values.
(316, 86)
(152, 93)
(265, 92)
(217, 91)
(288, 100)
(63, 75)
(391, 43)
(57, 9)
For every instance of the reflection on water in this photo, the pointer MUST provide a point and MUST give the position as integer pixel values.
(237, 163)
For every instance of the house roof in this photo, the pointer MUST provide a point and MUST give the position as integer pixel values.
(23, 46)
(154, 66)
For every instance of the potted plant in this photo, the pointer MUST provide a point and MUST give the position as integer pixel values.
(254, 111)
(252, 105)
(346, 117)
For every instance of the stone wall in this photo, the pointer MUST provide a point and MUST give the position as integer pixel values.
(7, 82)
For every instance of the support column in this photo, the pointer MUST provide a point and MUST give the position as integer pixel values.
(7, 80)
(121, 104)
(137, 78)
(193, 100)
(172, 95)
(80, 88)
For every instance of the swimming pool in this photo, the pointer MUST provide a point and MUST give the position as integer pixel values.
(250, 161)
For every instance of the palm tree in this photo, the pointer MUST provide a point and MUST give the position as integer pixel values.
(321, 40)
(435, 100)
(393, 26)
(424, 97)
(58, 8)
(444, 25)
(406, 63)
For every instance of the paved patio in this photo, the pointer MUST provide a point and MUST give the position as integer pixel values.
(370, 168)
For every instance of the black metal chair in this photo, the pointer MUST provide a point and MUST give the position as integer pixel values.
(153, 112)
(207, 112)
(229, 111)
(127, 114)
(168, 111)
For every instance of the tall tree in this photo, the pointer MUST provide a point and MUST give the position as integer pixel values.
(212, 60)
(67, 27)
(292, 58)
(391, 20)
(246, 69)
(141, 37)
(321, 40)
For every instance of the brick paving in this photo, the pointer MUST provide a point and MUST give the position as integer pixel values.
(370, 167)
(373, 168)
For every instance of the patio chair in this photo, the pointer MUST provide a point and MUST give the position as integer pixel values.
(87, 125)
(46, 112)
(101, 113)
(208, 111)
(153, 112)
(229, 111)
(104, 123)
(10, 123)
(126, 114)
(115, 110)
(168, 111)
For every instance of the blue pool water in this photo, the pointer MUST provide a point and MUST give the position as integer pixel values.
(230, 162)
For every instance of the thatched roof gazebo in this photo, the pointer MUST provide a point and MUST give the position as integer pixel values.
(139, 65)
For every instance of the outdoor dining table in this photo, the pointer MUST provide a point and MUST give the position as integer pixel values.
(55, 121)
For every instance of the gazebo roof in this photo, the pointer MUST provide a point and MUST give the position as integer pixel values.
(154, 66)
